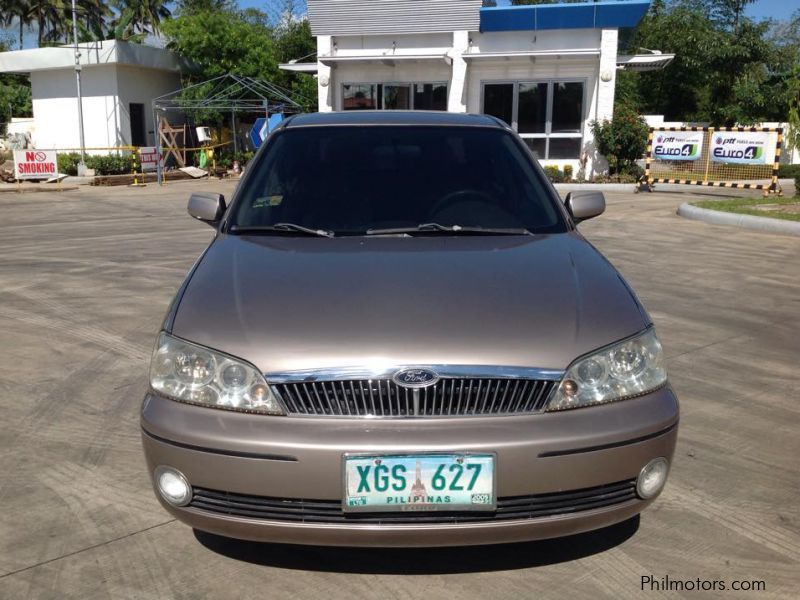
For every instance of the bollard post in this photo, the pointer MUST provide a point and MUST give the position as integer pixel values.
(135, 170)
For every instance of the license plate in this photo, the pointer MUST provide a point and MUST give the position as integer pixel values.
(419, 482)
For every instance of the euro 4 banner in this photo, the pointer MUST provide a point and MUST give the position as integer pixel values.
(678, 145)
(742, 147)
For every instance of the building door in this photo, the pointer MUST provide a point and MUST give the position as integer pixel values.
(138, 130)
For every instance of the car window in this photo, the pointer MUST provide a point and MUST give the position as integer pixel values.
(352, 179)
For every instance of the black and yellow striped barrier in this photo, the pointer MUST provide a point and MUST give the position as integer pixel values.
(650, 178)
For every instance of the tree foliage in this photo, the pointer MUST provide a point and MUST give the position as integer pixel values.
(224, 40)
(96, 19)
(728, 69)
(15, 94)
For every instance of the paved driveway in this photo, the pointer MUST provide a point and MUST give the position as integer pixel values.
(86, 276)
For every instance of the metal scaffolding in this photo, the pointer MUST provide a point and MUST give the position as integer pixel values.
(226, 94)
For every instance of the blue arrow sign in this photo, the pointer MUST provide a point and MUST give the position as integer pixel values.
(263, 127)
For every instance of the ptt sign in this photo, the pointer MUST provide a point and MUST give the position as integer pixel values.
(35, 164)
(744, 148)
(678, 146)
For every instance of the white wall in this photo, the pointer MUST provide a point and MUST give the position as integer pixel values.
(527, 41)
(142, 85)
(465, 78)
(55, 108)
(370, 45)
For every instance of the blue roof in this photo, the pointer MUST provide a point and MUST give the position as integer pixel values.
(594, 15)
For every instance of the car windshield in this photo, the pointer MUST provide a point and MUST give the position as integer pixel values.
(386, 180)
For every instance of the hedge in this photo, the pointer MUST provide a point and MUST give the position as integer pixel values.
(112, 164)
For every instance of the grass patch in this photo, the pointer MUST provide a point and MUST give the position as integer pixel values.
(774, 208)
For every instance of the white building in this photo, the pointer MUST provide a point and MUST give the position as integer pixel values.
(547, 70)
(119, 81)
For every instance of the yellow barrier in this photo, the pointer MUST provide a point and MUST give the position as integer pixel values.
(701, 168)
(136, 151)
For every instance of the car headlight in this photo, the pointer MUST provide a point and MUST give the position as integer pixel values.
(190, 373)
(627, 369)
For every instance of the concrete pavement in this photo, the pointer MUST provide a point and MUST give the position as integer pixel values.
(86, 276)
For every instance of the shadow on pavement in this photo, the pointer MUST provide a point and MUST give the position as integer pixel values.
(422, 561)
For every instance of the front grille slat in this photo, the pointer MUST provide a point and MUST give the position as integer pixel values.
(457, 396)
(330, 511)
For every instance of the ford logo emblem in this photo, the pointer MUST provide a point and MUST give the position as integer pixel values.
(415, 378)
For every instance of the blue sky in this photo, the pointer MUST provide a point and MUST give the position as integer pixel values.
(760, 9)
(775, 9)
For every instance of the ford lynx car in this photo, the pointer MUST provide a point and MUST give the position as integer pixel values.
(398, 337)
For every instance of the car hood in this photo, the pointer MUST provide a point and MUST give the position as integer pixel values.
(295, 303)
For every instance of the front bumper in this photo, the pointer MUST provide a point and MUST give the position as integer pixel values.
(300, 458)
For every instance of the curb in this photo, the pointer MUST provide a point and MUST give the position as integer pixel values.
(716, 217)
(591, 187)
(13, 189)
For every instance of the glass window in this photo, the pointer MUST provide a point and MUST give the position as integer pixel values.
(532, 109)
(396, 97)
(538, 146)
(569, 147)
(360, 96)
(567, 107)
(384, 177)
(430, 96)
(539, 109)
(498, 101)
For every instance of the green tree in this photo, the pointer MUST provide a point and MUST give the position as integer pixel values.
(15, 94)
(727, 69)
(248, 43)
(48, 15)
(19, 11)
(148, 15)
(729, 12)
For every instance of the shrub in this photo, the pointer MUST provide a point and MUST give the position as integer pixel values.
(567, 172)
(68, 163)
(622, 140)
(111, 164)
(554, 174)
(789, 171)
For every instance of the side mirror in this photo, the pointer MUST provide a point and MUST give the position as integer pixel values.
(585, 205)
(207, 207)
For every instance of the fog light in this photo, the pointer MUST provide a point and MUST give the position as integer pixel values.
(172, 486)
(652, 478)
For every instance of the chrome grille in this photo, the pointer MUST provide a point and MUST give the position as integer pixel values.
(385, 398)
(330, 511)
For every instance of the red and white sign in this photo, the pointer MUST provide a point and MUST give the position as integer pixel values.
(148, 156)
(35, 164)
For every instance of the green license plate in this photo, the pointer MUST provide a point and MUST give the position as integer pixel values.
(419, 482)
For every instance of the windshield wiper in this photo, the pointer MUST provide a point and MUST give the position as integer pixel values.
(457, 229)
(292, 227)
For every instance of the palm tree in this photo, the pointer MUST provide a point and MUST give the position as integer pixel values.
(48, 15)
(147, 14)
(19, 10)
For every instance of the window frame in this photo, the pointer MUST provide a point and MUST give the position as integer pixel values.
(548, 127)
(380, 95)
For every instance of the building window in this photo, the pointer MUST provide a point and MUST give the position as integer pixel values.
(360, 96)
(430, 96)
(394, 96)
(548, 115)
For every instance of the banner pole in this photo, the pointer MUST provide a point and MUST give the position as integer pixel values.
(708, 153)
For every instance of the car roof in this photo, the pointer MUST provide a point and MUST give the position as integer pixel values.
(393, 117)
